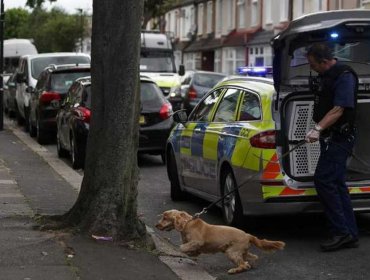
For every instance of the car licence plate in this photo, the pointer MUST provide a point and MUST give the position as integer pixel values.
(142, 120)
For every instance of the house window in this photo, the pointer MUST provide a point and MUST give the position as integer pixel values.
(262, 58)
(241, 13)
(284, 10)
(200, 18)
(192, 60)
(177, 23)
(234, 58)
(268, 11)
(338, 4)
(219, 17)
(191, 21)
(254, 16)
(230, 14)
(217, 61)
(183, 23)
(209, 16)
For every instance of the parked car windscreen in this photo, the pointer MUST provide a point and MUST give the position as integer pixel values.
(207, 80)
(86, 96)
(39, 63)
(156, 62)
(61, 82)
(151, 96)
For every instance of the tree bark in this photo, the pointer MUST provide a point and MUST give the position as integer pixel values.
(107, 202)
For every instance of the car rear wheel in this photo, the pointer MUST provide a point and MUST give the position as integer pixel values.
(62, 153)
(76, 154)
(41, 136)
(31, 128)
(26, 118)
(231, 206)
(176, 192)
(18, 116)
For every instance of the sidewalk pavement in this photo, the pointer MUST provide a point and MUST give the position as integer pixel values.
(28, 186)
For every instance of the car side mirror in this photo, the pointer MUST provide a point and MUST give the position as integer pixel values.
(30, 89)
(181, 70)
(20, 78)
(180, 116)
(63, 103)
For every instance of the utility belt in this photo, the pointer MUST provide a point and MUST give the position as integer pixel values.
(342, 132)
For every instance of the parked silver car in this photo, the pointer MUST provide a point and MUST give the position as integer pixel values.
(29, 69)
(195, 84)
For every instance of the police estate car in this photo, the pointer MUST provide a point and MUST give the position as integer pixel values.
(245, 134)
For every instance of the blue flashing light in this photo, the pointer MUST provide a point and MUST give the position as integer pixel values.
(334, 35)
(259, 69)
(255, 71)
(243, 70)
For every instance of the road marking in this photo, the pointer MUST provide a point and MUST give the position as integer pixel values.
(8, 182)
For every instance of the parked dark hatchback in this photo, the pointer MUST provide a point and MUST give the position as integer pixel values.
(73, 120)
(51, 88)
(155, 119)
(195, 84)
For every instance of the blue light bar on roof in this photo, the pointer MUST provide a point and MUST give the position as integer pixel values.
(254, 71)
(334, 35)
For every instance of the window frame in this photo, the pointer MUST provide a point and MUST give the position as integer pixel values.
(254, 93)
(240, 93)
(211, 112)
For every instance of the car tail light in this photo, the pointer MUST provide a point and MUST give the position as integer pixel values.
(84, 114)
(48, 96)
(192, 93)
(264, 140)
(165, 111)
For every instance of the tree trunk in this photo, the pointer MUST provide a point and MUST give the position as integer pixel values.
(107, 202)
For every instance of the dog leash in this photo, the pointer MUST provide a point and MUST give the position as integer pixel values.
(299, 144)
(205, 209)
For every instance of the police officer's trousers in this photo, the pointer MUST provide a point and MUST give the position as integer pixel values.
(330, 184)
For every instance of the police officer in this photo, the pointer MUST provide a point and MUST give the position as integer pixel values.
(334, 115)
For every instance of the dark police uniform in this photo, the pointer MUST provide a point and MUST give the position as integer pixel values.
(338, 88)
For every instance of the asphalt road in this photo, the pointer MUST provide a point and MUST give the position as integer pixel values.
(302, 233)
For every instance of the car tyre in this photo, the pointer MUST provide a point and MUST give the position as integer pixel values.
(176, 193)
(31, 128)
(76, 154)
(18, 116)
(232, 211)
(62, 153)
(41, 136)
(26, 118)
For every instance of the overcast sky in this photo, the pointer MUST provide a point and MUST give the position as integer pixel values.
(69, 5)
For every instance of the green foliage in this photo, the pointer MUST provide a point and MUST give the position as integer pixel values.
(53, 31)
(36, 3)
(16, 23)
